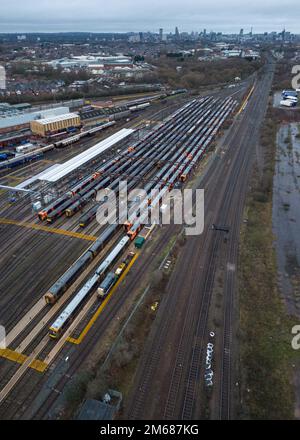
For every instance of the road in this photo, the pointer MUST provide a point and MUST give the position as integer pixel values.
(169, 383)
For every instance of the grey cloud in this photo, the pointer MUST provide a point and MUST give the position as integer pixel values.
(135, 15)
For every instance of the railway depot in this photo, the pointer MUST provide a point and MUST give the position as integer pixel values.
(149, 214)
(158, 158)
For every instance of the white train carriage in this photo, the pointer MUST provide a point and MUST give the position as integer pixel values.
(58, 326)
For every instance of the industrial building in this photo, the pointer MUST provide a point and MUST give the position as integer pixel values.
(12, 119)
(44, 127)
(90, 61)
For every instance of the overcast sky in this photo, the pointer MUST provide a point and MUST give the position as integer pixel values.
(143, 15)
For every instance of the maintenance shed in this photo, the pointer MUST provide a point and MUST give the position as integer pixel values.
(44, 127)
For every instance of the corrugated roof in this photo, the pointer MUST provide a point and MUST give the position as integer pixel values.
(57, 118)
(82, 158)
(25, 118)
(36, 177)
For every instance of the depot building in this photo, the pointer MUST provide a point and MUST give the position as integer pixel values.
(44, 127)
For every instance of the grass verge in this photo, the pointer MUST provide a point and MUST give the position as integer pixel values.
(266, 355)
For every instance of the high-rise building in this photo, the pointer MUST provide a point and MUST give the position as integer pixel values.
(2, 78)
(161, 34)
(176, 33)
(134, 38)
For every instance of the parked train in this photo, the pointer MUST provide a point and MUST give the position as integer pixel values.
(198, 140)
(106, 285)
(61, 285)
(94, 208)
(39, 152)
(59, 324)
(80, 197)
(112, 277)
(26, 148)
(6, 154)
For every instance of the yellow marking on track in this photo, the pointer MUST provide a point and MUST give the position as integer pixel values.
(41, 366)
(149, 121)
(245, 101)
(6, 221)
(17, 179)
(138, 123)
(38, 365)
(13, 355)
(103, 304)
(21, 358)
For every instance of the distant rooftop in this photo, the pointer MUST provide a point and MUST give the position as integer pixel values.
(57, 118)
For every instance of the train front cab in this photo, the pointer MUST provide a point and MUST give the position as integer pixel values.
(49, 298)
(127, 225)
(69, 212)
(133, 233)
(42, 215)
(54, 333)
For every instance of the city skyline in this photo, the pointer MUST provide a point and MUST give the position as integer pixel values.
(118, 16)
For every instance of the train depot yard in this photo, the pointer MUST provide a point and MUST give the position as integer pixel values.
(62, 270)
(149, 216)
(104, 297)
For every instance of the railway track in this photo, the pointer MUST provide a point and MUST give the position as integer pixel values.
(231, 209)
(198, 336)
(99, 328)
(185, 383)
(154, 350)
(225, 401)
(75, 365)
(12, 310)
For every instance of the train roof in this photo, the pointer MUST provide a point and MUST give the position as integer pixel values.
(64, 316)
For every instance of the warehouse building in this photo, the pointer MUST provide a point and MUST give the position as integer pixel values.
(44, 127)
(12, 119)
